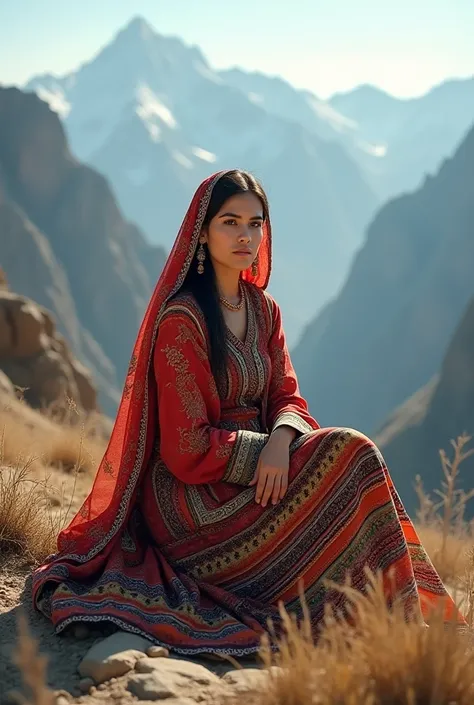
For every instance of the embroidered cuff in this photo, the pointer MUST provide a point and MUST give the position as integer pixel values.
(245, 454)
(289, 418)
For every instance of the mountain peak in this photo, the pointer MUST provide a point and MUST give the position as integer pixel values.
(138, 27)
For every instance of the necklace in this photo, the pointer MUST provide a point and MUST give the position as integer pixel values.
(234, 307)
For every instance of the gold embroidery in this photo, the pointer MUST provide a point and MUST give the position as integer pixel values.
(289, 418)
(244, 457)
(193, 440)
(213, 388)
(133, 365)
(224, 451)
(108, 467)
(186, 334)
(176, 359)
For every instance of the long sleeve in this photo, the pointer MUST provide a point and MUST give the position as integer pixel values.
(286, 406)
(192, 446)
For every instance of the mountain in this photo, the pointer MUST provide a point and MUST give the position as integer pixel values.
(279, 97)
(443, 410)
(152, 115)
(394, 142)
(65, 244)
(385, 335)
(414, 135)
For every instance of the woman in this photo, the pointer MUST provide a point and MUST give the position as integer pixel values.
(219, 494)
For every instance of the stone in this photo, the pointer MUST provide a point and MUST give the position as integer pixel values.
(151, 686)
(114, 656)
(101, 670)
(179, 671)
(35, 357)
(30, 336)
(157, 652)
(246, 679)
(61, 700)
(85, 684)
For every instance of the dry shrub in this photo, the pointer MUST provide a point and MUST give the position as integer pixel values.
(444, 531)
(34, 451)
(27, 526)
(381, 659)
(73, 443)
(69, 451)
(33, 668)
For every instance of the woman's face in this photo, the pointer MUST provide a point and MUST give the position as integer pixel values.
(234, 235)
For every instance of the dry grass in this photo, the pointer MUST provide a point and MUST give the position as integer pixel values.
(444, 531)
(46, 469)
(27, 528)
(380, 660)
(44, 441)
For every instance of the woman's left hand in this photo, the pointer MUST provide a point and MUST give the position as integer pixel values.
(271, 476)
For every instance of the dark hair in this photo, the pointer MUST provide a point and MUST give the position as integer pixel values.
(204, 286)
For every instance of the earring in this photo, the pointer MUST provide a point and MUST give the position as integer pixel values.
(255, 267)
(201, 256)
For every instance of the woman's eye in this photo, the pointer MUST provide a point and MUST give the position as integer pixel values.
(257, 224)
(229, 222)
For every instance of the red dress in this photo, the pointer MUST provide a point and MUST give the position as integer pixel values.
(171, 544)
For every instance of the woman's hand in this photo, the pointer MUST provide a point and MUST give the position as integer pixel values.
(271, 476)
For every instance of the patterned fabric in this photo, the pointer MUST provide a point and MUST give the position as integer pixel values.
(171, 544)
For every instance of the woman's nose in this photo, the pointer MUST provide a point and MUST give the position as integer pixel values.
(244, 234)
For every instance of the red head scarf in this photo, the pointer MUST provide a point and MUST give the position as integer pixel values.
(108, 505)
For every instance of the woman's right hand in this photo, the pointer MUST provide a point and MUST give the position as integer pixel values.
(271, 475)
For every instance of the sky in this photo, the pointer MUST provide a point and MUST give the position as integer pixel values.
(402, 46)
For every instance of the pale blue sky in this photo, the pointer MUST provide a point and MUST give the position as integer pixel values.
(404, 46)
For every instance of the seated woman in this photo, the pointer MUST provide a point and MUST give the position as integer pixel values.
(219, 494)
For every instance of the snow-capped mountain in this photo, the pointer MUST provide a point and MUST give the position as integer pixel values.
(395, 142)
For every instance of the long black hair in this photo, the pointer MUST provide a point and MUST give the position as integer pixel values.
(204, 286)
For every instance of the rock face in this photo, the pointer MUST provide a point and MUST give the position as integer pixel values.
(426, 423)
(386, 334)
(35, 356)
(65, 244)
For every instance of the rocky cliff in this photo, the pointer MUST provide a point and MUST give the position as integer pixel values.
(385, 335)
(438, 413)
(65, 244)
(35, 357)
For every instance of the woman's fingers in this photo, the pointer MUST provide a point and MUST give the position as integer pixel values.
(262, 480)
(271, 479)
(271, 484)
(277, 489)
(284, 485)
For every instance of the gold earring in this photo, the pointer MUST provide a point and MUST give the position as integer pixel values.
(255, 267)
(201, 256)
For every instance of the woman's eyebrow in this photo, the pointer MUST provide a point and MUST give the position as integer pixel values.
(235, 215)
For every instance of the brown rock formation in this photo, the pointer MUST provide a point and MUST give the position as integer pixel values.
(37, 359)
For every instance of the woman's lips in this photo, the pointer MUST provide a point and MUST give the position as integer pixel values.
(242, 253)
